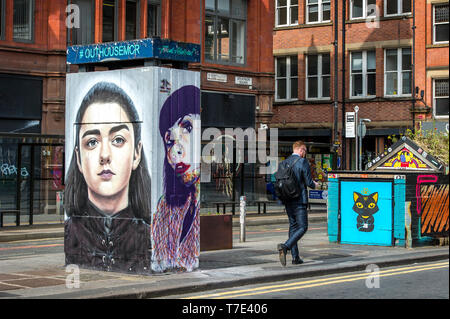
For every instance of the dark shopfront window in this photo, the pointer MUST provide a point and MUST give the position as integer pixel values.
(225, 179)
(31, 176)
(20, 113)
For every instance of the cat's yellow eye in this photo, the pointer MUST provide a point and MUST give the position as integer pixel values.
(359, 205)
(371, 205)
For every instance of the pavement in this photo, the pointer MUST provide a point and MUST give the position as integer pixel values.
(43, 275)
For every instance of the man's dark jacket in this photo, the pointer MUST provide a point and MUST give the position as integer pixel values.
(302, 172)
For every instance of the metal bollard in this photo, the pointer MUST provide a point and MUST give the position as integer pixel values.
(242, 218)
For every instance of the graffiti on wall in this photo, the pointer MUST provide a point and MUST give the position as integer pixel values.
(432, 204)
(405, 159)
(366, 212)
(365, 206)
(132, 181)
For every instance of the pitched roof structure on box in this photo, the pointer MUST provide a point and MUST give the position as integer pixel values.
(405, 155)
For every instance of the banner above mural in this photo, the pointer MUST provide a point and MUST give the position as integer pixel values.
(151, 48)
(405, 155)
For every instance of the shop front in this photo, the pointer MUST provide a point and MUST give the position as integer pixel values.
(228, 174)
(321, 159)
(31, 178)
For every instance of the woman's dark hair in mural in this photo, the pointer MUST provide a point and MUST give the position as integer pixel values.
(76, 193)
(182, 102)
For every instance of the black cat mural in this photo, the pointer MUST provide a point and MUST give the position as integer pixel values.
(365, 206)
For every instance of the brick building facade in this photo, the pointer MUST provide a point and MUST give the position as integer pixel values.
(236, 70)
(376, 72)
(34, 37)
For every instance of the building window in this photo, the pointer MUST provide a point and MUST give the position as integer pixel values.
(132, 14)
(318, 76)
(397, 7)
(286, 13)
(225, 31)
(363, 74)
(440, 98)
(2, 19)
(109, 23)
(154, 18)
(397, 75)
(440, 23)
(318, 11)
(360, 9)
(85, 33)
(286, 78)
(23, 20)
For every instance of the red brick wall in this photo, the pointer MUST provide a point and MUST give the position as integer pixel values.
(392, 32)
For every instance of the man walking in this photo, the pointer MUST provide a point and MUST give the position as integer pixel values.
(296, 208)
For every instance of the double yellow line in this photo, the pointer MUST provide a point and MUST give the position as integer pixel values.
(320, 282)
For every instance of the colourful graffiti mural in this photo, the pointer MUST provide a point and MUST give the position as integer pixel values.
(434, 214)
(405, 159)
(133, 170)
(366, 199)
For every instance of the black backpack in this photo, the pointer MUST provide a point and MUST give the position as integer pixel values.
(286, 185)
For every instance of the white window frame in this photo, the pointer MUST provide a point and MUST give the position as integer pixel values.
(399, 72)
(320, 4)
(440, 97)
(288, 7)
(365, 15)
(319, 77)
(288, 78)
(364, 74)
(440, 23)
(399, 9)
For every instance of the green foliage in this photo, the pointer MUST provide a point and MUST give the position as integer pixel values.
(433, 142)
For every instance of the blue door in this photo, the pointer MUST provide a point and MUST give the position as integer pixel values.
(366, 212)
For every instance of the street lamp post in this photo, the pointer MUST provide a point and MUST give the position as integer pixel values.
(361, 134)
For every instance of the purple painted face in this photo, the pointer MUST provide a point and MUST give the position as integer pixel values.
(180, 148)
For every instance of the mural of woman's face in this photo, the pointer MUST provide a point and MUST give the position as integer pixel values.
(106, 155)
(179, 142)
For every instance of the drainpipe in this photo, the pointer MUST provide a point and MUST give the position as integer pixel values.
(336, 70)
(344, 162)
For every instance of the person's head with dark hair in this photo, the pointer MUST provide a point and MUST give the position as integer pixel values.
(178, 120)
(108, 165)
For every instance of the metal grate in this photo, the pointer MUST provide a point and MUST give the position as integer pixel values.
(441, 13)
(441, 88)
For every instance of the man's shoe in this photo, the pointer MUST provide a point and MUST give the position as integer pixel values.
(297, 261)
(282, 251)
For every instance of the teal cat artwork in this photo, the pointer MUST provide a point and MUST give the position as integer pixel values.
(365, 206)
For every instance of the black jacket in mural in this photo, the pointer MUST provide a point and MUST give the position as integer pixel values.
(120, 242)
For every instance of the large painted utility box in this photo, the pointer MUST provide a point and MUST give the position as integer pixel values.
(133, 170)
(401, 200)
